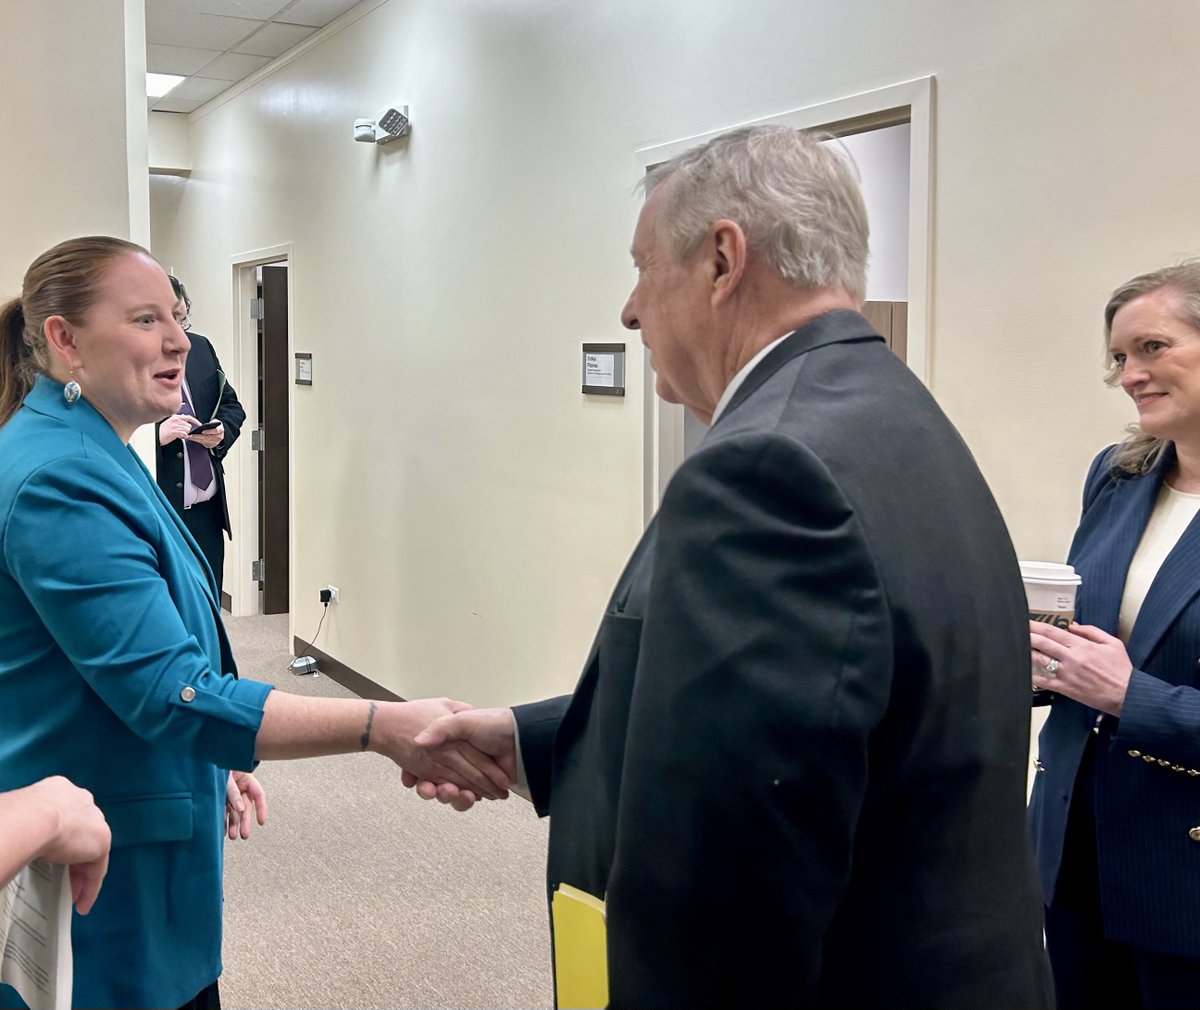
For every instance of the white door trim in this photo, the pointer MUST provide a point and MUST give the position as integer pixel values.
(244, 548)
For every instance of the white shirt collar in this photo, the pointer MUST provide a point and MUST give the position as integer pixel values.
(738, 379)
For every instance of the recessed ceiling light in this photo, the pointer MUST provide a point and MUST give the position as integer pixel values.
(158, 85)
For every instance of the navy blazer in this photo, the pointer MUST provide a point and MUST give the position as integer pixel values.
(794, 765)
(115, 672)
(1147, 762)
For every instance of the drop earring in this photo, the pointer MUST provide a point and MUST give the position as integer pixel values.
(71, 391)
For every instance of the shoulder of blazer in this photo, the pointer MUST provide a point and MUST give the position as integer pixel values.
(838, 326)
(1100, 474)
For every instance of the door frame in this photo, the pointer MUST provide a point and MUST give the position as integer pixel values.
(244, 592)
(909, 101)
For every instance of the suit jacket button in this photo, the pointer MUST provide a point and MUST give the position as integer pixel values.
(1194, 834)
(179, 455)
(1134, 753)
(1038, 766)
(180, 484)
(189, 692)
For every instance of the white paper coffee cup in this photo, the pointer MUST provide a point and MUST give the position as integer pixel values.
(1050, 591)
(1050, 595)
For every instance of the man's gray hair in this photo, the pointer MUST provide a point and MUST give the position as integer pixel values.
(796, 198)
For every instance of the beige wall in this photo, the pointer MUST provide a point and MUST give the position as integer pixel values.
(64, 85)
(470, 504)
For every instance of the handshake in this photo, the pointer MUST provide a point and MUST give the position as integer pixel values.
(447, 750)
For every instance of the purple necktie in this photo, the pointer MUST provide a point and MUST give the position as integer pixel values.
(198, 460)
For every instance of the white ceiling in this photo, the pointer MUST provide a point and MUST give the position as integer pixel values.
(216, 43)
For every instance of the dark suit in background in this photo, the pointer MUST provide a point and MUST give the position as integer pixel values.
(212, 397)
(795, 763)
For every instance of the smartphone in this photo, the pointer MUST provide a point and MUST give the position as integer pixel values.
(207, 426)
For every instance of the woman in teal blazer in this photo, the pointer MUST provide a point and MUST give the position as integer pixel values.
(115, 670)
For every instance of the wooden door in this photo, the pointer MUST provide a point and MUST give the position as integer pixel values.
(275, 464)
(890, 319)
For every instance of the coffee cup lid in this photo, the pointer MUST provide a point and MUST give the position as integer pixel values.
(1048, 571)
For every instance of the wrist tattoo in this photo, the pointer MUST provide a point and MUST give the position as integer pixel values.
(366, 736)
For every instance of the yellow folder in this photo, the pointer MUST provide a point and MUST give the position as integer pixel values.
(580, 949)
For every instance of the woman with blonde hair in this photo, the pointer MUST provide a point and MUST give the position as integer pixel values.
(1115, 812)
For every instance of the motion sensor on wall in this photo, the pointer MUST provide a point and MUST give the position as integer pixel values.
(390, 124)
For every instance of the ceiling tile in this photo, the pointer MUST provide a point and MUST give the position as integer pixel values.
(317, 13)
(257, 9)
(170, 104)
(234, 66)
(178, 59)
(198, 89)
(200, 31)
(274, 40)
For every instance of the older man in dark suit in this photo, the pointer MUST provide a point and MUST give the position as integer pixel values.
(191, 468)
(794, 767)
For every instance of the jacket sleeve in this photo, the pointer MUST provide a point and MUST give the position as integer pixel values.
(89, 562)
(1162, 722)
(229, 409)
(537, 725)
(766, 625)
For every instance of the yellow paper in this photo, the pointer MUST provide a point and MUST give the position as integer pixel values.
(580, 949)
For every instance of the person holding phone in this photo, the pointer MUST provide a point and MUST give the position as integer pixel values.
(192, 444)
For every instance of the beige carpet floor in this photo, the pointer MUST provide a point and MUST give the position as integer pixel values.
(357, 893)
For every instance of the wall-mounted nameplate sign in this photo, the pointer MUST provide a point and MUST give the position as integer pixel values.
(604, 369)
(303, 369)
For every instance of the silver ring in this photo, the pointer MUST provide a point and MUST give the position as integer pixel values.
(1052, 667)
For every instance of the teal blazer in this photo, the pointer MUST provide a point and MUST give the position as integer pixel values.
(115, 671)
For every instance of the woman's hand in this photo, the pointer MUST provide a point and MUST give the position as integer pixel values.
(471, 773)
(1082, 662)
(244, 794)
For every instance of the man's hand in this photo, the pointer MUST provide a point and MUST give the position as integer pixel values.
(82, 838)
(457, 772)
(245, 800)
(488, 730)
(175, 426)
(210, 439)
(1090, 665)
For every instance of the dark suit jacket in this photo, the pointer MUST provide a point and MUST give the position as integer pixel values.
(795, 763)
(1147, 763)
(210, 398)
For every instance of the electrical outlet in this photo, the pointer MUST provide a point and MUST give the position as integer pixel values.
(334, 593)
